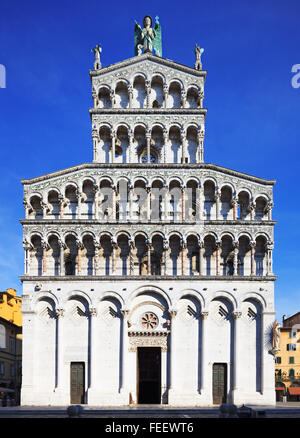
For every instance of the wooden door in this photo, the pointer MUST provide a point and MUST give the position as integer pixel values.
(219, 383)
(77, 382)
(149, 375)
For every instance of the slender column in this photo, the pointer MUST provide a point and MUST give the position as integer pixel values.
(166, 201)
(114, 203)
(62, 247)
(148, 189)
(199, 203)
(130, 94)
(166, 137)
(44, 263)
(61, 201)
(218, 256)
(183, 98)
(112, 98)
(95, 138)
(148, 91)
(183, 146)
(235, 257)
(92, 352)
(269, 210)
(114, 247)
(44, 206)
(27, 246)
(200, 97)
(95, 98)
(125, 314)
(173, 314)
(130, 198)
(165, 252)
(166, 92)
(182, 203)
(95, 214)
(236, 364)
(204, 340)
(59, 358)
(96, 257)
(78, 196)
(269, 248)
(79, 249)
(148, 139)
(148, 244)
(131, 261)
(183, 256)
(217, 200)
(26, 206)
(252, 245)
(113, 146)
(234, 204)
(200, 138)
(201, 249)
(130, 146)
(252, 208)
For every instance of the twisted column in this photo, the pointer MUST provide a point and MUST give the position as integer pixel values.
(235, 257)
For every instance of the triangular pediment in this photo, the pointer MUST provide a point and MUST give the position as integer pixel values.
(148, 62)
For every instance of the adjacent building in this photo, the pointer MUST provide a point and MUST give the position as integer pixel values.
(10, 346)
(148, 272)
(287, 367)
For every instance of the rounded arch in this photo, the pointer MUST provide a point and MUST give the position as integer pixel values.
(152, 289)
(175, 81)
(193, 293)
(244, 189)
(77, 293)
(245, 234)
(262, 195)
(227, 296)
(114, 295)
(255, 296)
(39, 296)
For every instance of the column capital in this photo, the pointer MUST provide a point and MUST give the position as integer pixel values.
(125, 313)
(93, 311)
(236, 314)
(60, 313)
(172, 313)
(204, 314)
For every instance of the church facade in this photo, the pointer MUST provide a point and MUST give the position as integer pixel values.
(148, 273)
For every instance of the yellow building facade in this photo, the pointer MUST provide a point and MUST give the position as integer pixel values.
(287, 362)
(10, 347)
(10, 306)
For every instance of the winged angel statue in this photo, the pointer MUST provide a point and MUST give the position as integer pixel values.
(147, 38)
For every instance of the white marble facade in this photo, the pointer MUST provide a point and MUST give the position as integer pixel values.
(117, 264)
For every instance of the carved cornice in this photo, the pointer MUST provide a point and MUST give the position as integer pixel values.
(145, 168)
(149, 278)
(141, 59)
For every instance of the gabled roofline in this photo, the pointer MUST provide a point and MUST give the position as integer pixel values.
(153, 166)
(148, 56)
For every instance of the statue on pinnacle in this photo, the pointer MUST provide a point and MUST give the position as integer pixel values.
(148, 38)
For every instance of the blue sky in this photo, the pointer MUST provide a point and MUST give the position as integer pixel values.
(253, 111)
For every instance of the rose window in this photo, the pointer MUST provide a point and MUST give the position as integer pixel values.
(149, 320)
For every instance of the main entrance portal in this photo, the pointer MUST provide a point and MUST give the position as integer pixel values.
(149, 375)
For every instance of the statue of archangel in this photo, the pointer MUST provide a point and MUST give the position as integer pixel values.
(147, 38)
